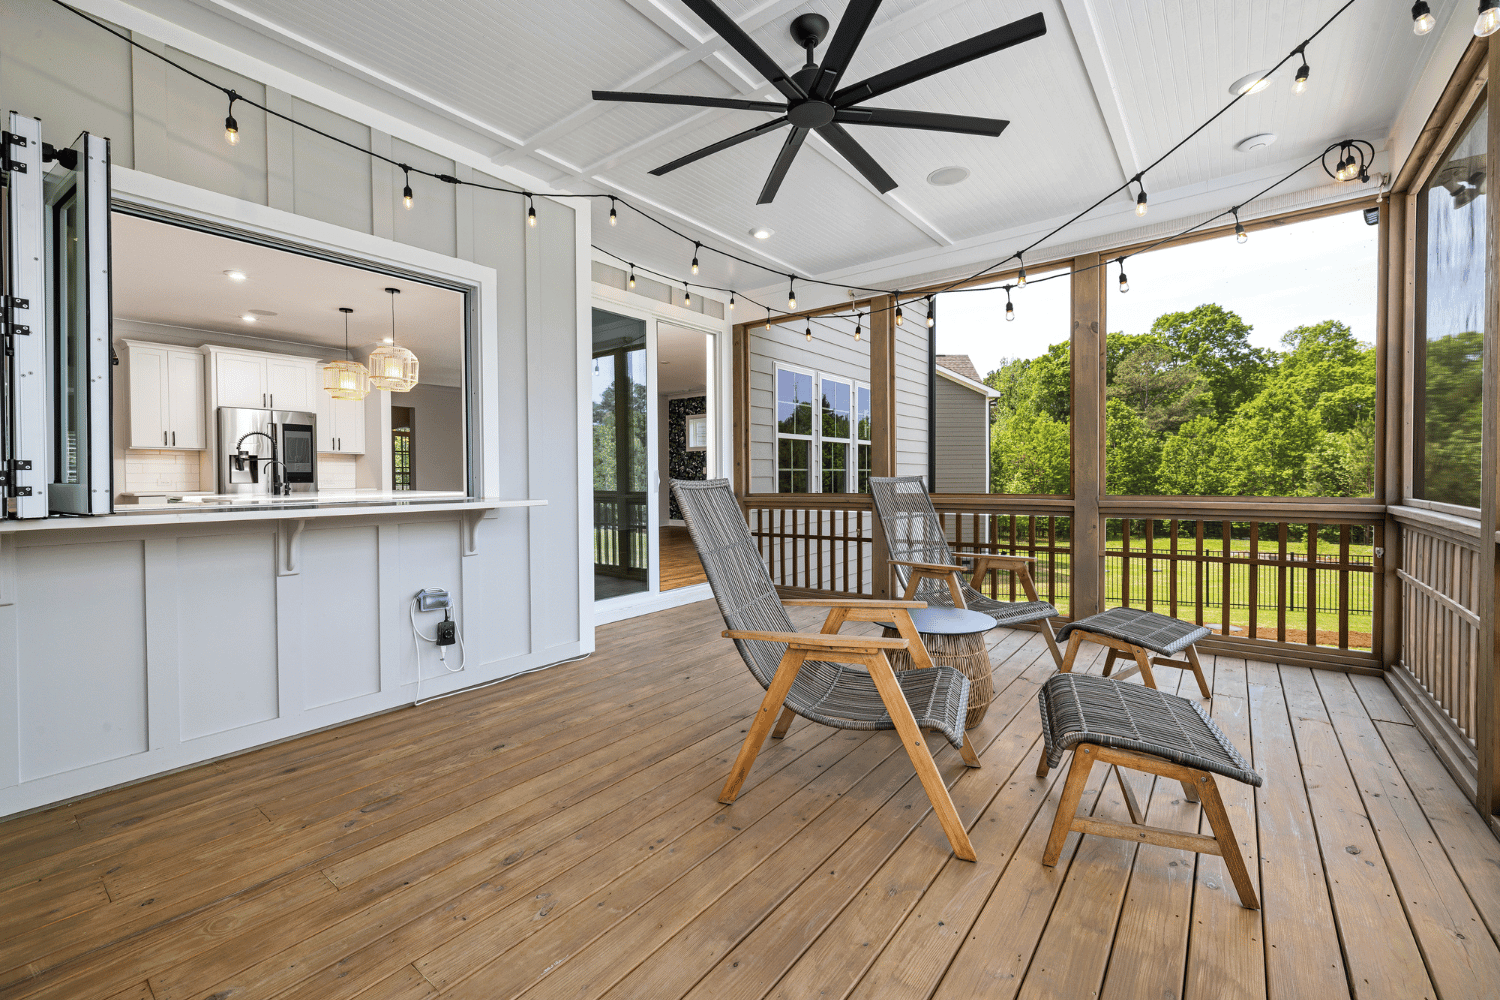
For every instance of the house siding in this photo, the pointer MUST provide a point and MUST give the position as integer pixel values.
(963, 454)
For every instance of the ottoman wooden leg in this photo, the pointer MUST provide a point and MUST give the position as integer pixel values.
(1078, 776)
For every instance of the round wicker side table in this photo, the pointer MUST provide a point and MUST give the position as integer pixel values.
(954, 638)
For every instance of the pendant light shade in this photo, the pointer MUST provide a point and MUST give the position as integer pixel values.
(393, 367)
(346, 378)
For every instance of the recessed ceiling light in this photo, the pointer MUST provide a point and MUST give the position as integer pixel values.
(249, 318)
(1255, 141)
(762, 233)
(388, 340)
(1251, 83)
(235, 275)
(946, 176)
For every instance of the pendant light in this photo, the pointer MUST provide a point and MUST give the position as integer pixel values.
(346, 379)
(1489, 18)
(1422, 20)
(392, 367)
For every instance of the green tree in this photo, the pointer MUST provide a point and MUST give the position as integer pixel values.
(1331, 370)
(1452, 400)
(1216, 342)
(1164, 392)
(1134, 452)
(1264, 448)
(1190, 461)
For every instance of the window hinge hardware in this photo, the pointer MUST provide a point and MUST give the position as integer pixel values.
(16, 302)
(6, 163)
(20, 491)
(18, 465)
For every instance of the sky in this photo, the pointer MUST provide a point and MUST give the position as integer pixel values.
(1282, 278)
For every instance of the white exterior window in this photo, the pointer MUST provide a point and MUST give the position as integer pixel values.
(825, 450)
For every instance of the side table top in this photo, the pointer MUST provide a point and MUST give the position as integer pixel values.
(948, 621)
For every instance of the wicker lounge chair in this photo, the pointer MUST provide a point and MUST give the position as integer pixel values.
(925, 567)
(827, 691)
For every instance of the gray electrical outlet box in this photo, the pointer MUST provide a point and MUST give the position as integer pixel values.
(433, 599)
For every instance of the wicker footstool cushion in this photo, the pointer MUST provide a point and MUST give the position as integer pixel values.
(1085, 708)
(1167, 636)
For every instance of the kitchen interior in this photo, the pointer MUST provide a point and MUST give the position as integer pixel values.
(250, 375)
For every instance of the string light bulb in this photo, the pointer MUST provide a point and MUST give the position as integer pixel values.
(1489, 18)
(858, 319)
(613, 219)
(1124, 281)
(530, 212)
(898, 309)
(1422, 20)
(687, 296)
(1010, 310)
(406, 191)
(695, 257)
(631, 282)
(232, 127)
(1299, 83)
(1239, 230)
(809, 331)
(1021, 278)
(931, 319)
(1140, 199)
(731, 302)
(791, 293)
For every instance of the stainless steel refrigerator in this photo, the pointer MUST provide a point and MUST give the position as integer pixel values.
(267, 451)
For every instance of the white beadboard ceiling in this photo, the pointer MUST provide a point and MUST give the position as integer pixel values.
(1111, 86)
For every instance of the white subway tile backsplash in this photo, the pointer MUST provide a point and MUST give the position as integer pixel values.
(168, 471)
(336, 472)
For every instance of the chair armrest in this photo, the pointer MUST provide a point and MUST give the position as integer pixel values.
(852, 602)
(931, 567)
(995, 557)
(818, 641)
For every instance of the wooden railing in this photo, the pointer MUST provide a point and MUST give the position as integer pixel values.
(1259, 576)
(1294, 582)
(1440, 566)
(621, 542)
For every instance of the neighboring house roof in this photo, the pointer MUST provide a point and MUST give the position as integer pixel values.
(957, 368)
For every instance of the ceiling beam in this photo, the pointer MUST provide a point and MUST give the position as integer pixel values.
(1084, 31)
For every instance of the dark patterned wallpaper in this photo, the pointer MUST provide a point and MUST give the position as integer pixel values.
(681, 463)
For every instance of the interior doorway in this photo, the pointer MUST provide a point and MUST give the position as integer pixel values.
(684, 441)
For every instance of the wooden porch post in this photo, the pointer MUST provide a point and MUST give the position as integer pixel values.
(740, 409)
(1087, 587)
(882, 424)
(1389, 420)
(1487, 735)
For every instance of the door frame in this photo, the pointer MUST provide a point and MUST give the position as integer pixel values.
(656, 314)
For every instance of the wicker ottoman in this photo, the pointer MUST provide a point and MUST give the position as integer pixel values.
(1136, 634)
(954, 638)
(1129, 726)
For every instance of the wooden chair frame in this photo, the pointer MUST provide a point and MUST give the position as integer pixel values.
(1197, 786)
(871, 654)
(1144, 660)
(985, 563)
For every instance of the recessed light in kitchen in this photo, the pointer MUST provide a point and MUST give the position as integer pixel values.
(235, 275)
(1255, 141)
(248, 318)
(947, 176)
(1251, 83)
(762, 233)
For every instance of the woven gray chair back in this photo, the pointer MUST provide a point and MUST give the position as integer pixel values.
(736, 574)
(913, 532)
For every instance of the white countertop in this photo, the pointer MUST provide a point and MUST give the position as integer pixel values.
(327, 503)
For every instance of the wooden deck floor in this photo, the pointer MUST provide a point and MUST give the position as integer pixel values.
(558, 836)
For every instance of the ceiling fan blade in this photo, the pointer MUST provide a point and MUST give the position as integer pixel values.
(850, 32)
(968, 50)
(855, 154)
(700, 102)
(783, 164)
(726, 28)
(733, 140)
(932, 120)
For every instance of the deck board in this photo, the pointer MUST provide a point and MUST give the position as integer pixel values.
(558, 835)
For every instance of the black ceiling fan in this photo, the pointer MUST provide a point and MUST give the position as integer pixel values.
(814, 100)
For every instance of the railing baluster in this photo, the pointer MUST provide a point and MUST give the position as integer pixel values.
(1282, 595)
(1253, 595)
(1343, 609)
(1226, 529)
(1312, 584)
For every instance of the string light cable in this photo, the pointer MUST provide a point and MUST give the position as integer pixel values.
(232, 135)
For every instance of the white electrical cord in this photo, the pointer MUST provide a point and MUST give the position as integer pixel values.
(416, 633)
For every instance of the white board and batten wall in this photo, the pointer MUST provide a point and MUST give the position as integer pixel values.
(135, 644)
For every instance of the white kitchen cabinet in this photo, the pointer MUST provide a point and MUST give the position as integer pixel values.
(263, 381)
(341, 425)
(166, 397)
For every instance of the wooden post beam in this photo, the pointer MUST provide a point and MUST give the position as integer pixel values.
(1487, 737)
(1087, 592)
